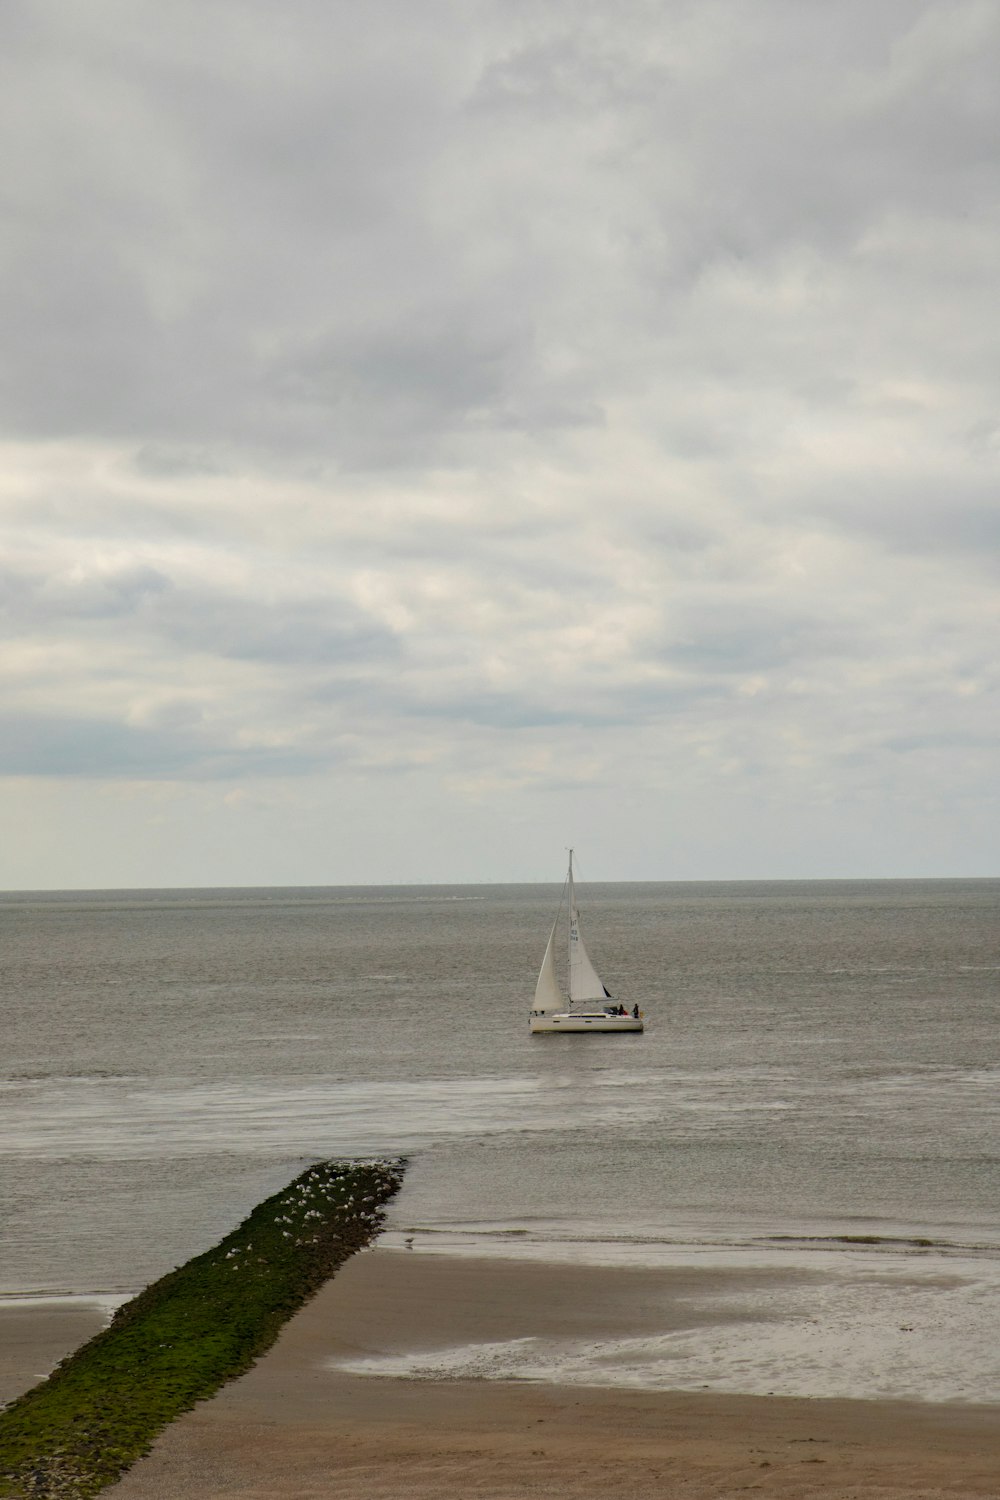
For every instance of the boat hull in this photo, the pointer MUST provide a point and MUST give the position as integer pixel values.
(582, 1021)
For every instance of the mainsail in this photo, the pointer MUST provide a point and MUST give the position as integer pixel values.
(584, 981)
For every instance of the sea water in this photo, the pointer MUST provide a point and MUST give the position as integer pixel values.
(818, 1086)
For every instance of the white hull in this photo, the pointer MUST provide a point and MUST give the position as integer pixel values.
(584, 1021)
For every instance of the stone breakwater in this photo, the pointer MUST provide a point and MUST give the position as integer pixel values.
(189, 1333)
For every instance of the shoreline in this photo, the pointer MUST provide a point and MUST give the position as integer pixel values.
(186, 1335)
(299, 1426)
(772, 1323)
(37, 1332)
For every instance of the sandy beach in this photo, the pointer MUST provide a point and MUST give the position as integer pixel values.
(298, 1425)
(36, 1333)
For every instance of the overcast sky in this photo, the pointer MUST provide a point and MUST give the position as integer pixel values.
(438, 433)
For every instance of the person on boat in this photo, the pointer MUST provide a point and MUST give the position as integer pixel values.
(635, 1012)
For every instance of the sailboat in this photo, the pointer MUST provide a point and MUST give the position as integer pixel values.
(591, 1006)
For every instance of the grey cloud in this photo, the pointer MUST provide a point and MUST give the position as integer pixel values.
(734, 638)
(918, 513)
(942, 739)
(515, 710)
(605, 703)
(96, 748)
(422, 383)
(176, 461)
(174, 614)
(507, 713)
(280, 633)
(386, 393)
(29, 599)
(270, 231)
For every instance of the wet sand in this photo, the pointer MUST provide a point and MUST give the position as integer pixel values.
(36, 1335)
(295, 1427)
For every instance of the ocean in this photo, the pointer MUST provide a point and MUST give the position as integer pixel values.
(817, 1089)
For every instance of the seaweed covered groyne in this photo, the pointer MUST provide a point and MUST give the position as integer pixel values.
(189, 1333)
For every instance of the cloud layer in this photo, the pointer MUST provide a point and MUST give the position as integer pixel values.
(498, 425)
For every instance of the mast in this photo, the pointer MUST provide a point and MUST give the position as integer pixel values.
(573, 930)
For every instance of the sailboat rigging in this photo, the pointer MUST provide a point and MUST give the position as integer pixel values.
(591, 1006)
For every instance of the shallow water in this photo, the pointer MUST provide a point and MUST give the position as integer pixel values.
(820, 1062)
(863, 1323)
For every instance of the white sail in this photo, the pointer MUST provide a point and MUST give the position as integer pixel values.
(584, 981)
(548, 996)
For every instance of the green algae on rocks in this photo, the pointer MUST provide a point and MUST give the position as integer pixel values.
(189, 1333)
